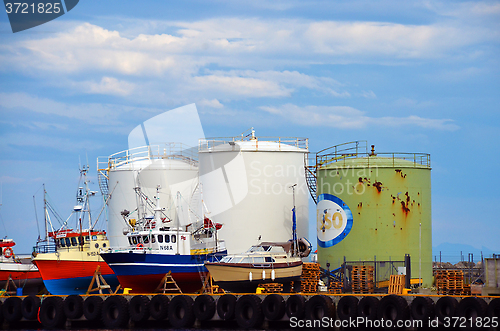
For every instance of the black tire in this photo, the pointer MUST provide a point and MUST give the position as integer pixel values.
(225, 307)
(295, 306)
(115, 312)
(52, 313)
(248, 312)
(471, 308)
(367, 308)
(12, 309)
(273, 307)
(445, 307)
(494, 308)
(92, 308)
(139, 308)
(180, 312)
(30, 307)
(318, 307)
(393, 308)
(158, 307)
(73, 306)
(204, 307)
(423, 309)
(347, 308)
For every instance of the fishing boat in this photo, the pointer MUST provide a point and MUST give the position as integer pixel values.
(267, 262)
(69, 258)
(17, 271)
(158, 245)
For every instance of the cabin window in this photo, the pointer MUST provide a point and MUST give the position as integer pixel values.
(153, 238)
(246, 260)
(174, 239)
(167, 239)
(80, 241)
(96, 245)
(145, 239)
(226, 259)
(87, 238)
(269, 259)
(134, 240)
(94, 237)
(103, 244)
(160, 238)
(259, 259)
(130, 241)
(277, 249)
(73, 241)
(256, 249)
(139, 239)
(68, 243)
(63, 244)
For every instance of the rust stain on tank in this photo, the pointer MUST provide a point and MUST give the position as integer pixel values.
(360, 205)
(405, 204)
(400, 172)
(378, 185)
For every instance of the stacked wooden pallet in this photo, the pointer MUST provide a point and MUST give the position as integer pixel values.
(272, 287)
(310, 277)
(396, 284)
(450, 282)
(362, 279)
(335, 287)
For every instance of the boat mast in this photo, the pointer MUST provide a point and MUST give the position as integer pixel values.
(157, 215)
(294, 224)
(178, 220)
(45, 214)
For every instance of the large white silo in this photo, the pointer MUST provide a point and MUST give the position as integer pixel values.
(171, 167)
(247, 186)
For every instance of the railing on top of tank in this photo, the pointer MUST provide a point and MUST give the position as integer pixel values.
(209, 143)
(352, 147)
(359, 149)
(161, 151)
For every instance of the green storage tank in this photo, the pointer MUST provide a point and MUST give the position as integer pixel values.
(373, 206)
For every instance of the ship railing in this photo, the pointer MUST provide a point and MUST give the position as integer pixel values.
(207, 144)
(151, 152)
(42, 249)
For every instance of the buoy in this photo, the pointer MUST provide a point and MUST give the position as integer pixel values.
(273, 275)
(8, 252)
(263, 274)
(250, 276)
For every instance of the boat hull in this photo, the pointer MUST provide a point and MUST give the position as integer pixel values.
(66, 277)
(236, 277)
(25, 276)
(142, 272)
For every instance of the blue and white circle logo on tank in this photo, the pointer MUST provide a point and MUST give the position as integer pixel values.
(334, 219)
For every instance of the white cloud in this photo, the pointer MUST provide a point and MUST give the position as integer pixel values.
(104, 115)
(214, 103)
(344, 117)
(108, 85)
(233, 42)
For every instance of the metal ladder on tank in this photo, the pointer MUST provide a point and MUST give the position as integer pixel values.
(311, 178)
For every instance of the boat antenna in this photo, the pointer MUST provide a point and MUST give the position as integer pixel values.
(1, 198)
(294, 223)
(178, 221)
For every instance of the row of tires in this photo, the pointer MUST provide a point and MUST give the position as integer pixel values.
(249, 311)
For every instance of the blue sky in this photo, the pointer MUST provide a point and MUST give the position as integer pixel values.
(408, 76)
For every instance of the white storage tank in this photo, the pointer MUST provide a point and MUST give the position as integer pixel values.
(171, 166)
(246, 185)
